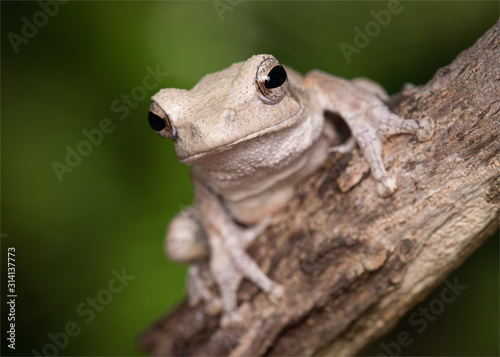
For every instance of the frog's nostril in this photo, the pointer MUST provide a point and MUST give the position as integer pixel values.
(156, 123)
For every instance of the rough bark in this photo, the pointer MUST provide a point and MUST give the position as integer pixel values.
(354, 263)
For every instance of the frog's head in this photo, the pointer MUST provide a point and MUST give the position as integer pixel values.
(245, 101)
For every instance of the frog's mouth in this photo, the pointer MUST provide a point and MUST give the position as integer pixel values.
(287, 123)
(189, 158)
(192, 143)
(162, 125)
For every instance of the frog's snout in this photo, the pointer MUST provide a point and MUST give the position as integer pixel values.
(160, 123)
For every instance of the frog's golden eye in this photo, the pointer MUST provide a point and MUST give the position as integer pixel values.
(160, 123)
(271, 81)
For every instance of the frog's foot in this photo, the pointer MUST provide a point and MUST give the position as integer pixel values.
(199, 288)
(230, 319)
(245, 264)
(389, 124)
(369, 125)
(231, 263)
(228, 280)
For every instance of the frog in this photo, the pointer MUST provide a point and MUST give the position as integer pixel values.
(251, 134)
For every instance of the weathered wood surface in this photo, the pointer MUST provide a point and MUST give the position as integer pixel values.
(354, 263)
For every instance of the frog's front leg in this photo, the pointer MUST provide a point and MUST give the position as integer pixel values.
(229, 261)
(369, 119)
(372, 122)
(186, 242)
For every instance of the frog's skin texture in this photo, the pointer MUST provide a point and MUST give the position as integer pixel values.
(251, 132)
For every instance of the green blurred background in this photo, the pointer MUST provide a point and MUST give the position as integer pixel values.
(110, 212)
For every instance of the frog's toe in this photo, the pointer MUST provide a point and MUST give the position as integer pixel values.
(426, 130)
(387, 186)
(231, 319)
(193, 300)
(213, 307)
(276, 293)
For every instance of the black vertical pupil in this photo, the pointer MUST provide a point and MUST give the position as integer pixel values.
(276, 77)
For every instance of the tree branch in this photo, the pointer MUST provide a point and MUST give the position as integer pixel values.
(353, 263)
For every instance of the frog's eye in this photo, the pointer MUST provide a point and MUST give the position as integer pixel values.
(271, 81)
(159, 122)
